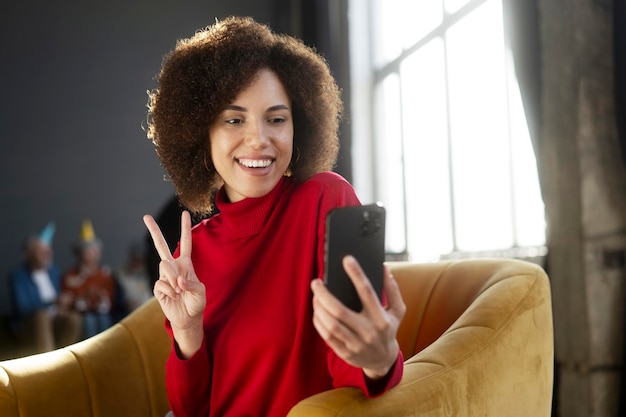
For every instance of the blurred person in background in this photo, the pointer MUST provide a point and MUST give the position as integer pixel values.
(89, 287)
(133, 278)
(40, 320)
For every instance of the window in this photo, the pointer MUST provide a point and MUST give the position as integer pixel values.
(439, 132)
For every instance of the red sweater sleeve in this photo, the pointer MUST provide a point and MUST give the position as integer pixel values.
(345, 375)
(188, 390)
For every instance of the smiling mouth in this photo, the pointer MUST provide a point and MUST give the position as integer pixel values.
(255, 163)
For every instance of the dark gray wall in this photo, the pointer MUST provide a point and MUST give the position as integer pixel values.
(73, 81)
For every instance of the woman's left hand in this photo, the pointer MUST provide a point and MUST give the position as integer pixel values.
(366, 339)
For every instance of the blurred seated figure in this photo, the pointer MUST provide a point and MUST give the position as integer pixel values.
(133, 278)
(89, 288)
(40, 321)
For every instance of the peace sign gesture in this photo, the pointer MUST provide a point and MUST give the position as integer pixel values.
(179, 291)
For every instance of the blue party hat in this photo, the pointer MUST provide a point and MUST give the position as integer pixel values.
(47, 233)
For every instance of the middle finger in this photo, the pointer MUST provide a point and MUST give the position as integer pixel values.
(168, 272)
(332, 326)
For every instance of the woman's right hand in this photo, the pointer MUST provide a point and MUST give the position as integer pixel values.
(179, 291)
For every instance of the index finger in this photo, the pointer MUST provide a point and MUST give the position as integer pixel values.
(185, 234)
(157, 237)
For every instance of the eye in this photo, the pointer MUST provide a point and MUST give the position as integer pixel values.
(277, 120)
(234, 121)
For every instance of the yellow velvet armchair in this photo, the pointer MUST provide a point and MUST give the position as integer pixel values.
(477, 338)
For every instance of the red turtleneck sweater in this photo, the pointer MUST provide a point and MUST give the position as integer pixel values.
(261, 353)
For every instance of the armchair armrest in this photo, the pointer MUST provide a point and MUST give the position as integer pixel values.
(496, 359)
(119, 372)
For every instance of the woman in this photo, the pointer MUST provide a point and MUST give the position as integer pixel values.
(246, 120)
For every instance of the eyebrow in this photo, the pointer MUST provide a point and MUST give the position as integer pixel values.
(243, 109)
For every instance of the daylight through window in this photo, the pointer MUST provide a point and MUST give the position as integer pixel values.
(439, 132)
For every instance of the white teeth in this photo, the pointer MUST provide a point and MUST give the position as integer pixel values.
(255, 163)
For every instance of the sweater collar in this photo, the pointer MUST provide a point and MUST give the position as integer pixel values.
(248, 216)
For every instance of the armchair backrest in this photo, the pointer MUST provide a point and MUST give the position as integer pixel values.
(436, 294)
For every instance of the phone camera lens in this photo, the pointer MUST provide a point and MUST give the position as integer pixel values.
(365, 227)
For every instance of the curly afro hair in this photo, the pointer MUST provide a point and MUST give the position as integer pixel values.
(205, 73)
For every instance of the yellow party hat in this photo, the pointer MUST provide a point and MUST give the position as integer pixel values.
(87, 237)
(87, 234)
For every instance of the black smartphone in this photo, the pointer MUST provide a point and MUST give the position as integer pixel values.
(358, 231)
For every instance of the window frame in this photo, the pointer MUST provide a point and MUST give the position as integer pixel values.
(365, 76)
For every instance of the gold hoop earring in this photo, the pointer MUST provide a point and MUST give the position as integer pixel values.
(206, 165)
(288, 172)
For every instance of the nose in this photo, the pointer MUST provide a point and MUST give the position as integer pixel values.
(256, 135)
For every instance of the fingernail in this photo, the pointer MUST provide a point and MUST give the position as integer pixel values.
(350, 259)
